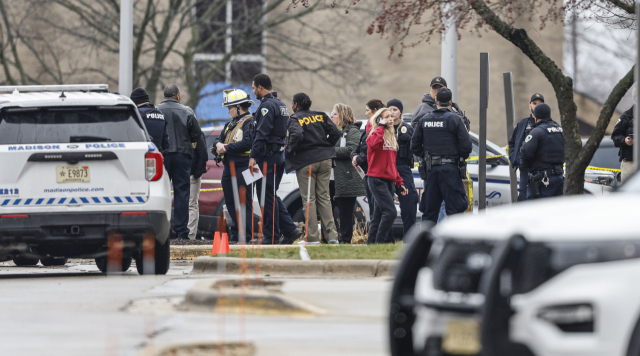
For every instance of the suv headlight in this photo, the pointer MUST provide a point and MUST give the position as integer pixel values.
(575, 318)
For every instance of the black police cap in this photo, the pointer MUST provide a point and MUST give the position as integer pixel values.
(444, 95)
(438, 81)
(536, 96)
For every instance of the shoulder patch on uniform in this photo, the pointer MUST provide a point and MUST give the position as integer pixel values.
(264, 111)
(528, 138)
(454, 108)
(618, 121)
(403, 129)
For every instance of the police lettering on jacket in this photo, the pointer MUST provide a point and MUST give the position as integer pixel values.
(441, 133)
(543, 148)
(310, 119)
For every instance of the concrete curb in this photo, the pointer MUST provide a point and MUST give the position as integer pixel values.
(314, 268)
(205, 296)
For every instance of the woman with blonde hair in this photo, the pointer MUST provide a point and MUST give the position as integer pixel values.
(382, 148)
(348, 183)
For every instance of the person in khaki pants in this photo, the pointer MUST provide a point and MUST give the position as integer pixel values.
(311, 143)
(319, 200)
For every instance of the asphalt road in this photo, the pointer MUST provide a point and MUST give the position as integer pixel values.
(74, 310)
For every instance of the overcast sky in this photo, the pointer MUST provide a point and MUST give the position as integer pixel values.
(604, 55)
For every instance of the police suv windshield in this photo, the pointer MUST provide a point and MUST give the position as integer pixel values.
(69, 124)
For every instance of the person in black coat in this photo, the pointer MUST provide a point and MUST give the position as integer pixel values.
(520, 132)
(199, 158)
(311, 147)
(622, 137)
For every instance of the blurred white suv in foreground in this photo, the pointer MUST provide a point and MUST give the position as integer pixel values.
(79, 176)
(544, 278)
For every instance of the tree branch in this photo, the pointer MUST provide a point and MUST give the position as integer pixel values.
(630, 9)
(605, 117)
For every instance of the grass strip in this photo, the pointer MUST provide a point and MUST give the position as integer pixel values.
(327, 252)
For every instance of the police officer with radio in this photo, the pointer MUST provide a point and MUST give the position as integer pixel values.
(268, 146)
(404, 164)
(234, 145)
(520, 132)
(543, 154)
(442, 141)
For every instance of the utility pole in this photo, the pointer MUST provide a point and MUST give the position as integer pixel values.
(449, 49)
(125, 79)
(482, 144)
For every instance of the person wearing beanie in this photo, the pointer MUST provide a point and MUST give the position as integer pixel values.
(442, 141)
(543, 154)
(153, 119)
(404, 164)
(520, 132)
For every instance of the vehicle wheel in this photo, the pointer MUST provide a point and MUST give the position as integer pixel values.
(101, 262)
(52, 261)
(25, 261)
(161, 261)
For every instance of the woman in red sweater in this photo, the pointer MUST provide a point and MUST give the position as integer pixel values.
(382, 175)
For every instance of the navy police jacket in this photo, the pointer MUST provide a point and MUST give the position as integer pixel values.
(271, 125)
(404, 132)
(623, 128)
(543, 148)
(156, 126)
(312, 138)
(441, 133)
(520, 132)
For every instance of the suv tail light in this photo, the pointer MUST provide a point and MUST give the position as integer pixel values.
(153, 166)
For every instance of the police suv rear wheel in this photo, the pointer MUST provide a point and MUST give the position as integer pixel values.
(162, 259)
(101, 262)
(53, 261)
(25, 261)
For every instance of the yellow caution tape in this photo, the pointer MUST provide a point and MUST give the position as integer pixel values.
(602, 169)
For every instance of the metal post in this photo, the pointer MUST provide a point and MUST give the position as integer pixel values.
(636, 127)
(125, 80)
(449, 49)
(511, 115)
(482, 145)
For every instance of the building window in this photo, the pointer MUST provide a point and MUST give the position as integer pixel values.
(238, 32)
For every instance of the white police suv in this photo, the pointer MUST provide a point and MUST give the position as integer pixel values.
(79, 177)
(541, 278)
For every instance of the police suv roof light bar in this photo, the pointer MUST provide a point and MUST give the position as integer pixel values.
(101, 88)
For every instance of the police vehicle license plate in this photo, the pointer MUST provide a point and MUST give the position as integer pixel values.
(73, 174)
(461, 337)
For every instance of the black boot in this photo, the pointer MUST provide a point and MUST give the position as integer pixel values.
(290, 238)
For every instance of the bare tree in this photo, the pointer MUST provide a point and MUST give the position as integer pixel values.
(396, 20)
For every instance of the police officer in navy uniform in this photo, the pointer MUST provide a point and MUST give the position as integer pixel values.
(520, 132)
(404, 164)
(543, 154)
(271, 118)
(442, 139)
(234, 145)
(153, 119)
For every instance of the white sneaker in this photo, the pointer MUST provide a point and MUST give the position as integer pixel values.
(309, 243)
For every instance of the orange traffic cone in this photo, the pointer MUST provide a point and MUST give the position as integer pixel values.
(224, 244)
(215, 249)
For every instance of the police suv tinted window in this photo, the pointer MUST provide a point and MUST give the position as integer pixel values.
(606, 157)
(69, 124)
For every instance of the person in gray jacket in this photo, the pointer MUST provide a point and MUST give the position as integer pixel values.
(183, 130)
(348, 183)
